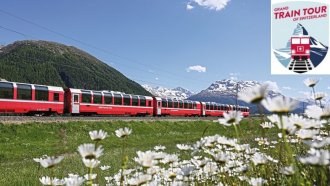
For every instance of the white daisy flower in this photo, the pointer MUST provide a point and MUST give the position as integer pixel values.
(45, 180)
(306, 134)
(170, 158)
(159, 147)
(89, 151)
(316, 157)
(316, 143)
(221, 157)
(280, 104)
(139, 180)
(123, 132)
(257, 181)
(91, 163)
(316, 112)
(98, 135)
(184, 147)
(145, 159)
(319, 95)
(50, 162)
(74, 180)
(105, 167)
(90, 176)
(310, 82)
(231, 118)
(259, 159)
(287, 170)
(254, 94)
(267, 125)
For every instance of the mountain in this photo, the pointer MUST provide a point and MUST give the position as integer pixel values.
(178, 92)
(224, 91)
(317, 53)
(50, 63)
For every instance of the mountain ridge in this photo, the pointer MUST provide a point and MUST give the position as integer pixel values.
(51, 63)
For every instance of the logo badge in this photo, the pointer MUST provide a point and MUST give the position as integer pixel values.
(300, 37)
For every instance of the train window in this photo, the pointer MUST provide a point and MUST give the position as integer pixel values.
(41, 93)
(207, 106)
(190, 105)
(194, 106)
(175, 104)
(127, 100)
(143, 101)
(118, 99)
(295, 41)
(135, 101)
(24, 92)
(185, 104)
(149, 103)
(304, 40)
(75, 98)
(164, 103)
(97, 97)
(180, 104)
(170, 103)
(6, 91)
(108, 99)
(86, 97)
(56, 97)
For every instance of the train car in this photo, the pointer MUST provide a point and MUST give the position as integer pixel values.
(215, 109)
(300, 48)
(174, 107)
(245, 110)
(23, 98)
(88, 102)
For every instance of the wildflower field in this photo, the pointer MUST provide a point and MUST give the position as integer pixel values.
(19, 144)
(280, 148)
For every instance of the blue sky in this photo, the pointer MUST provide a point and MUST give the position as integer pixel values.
(155, 41)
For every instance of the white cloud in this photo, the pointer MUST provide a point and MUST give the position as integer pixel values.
(273, 86)
(156, 78)
(196, 68)
(189, 7)
(287, 88)
(211, 4)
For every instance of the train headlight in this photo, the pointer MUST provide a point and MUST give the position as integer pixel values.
(293, 51)
(307, 51)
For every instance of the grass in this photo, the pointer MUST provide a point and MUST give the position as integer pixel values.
(19, 144)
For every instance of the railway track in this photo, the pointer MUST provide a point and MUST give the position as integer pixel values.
(300, 66)
(52, 119)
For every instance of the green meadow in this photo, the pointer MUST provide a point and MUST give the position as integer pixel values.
(19, 144)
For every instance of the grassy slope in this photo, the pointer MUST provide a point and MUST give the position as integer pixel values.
(20, 143)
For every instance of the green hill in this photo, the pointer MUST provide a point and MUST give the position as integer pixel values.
(51, 63)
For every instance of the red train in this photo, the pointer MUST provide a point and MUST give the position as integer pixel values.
(22, 98)
(300, 48)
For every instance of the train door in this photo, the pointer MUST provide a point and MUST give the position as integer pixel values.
(159, 109)
(75, 103)
(203, 108)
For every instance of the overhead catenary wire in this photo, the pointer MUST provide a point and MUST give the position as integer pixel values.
(101, 49)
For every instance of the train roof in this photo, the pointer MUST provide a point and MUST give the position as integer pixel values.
(52, 88)
(73, 90)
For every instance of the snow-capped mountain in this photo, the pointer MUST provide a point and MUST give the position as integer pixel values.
(224, 91)
(229, 87)
(317, 53)
(179, 92)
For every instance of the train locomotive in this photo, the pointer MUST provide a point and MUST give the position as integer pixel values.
(32, 99)
(300, 48)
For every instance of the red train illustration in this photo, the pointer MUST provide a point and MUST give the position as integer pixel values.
(300, 48)
(23, 98)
